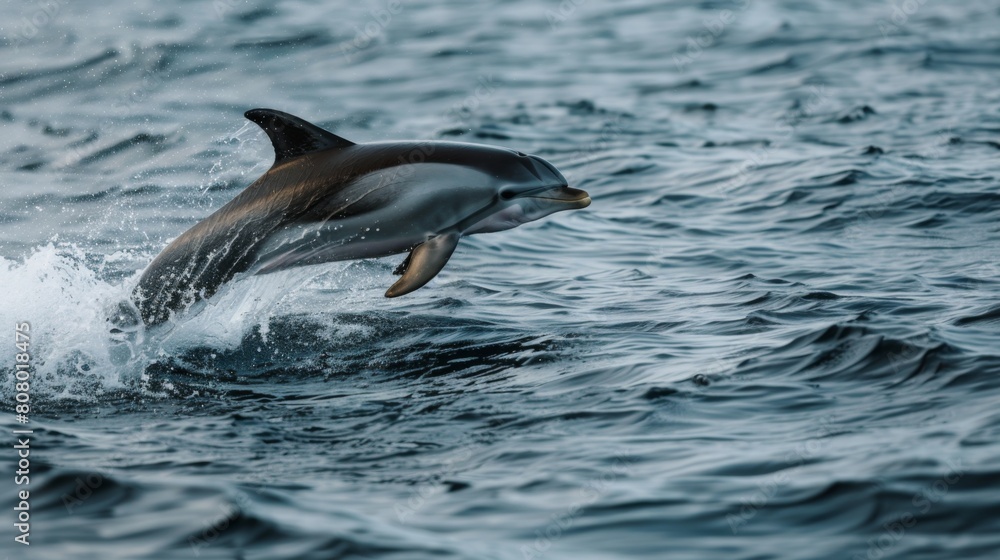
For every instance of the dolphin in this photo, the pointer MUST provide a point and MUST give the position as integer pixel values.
(327, 199)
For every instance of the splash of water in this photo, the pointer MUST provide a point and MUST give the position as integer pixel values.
(86, 338)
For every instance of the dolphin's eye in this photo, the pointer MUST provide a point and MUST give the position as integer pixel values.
(506, 195)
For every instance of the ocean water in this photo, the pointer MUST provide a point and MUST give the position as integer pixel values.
(774, 333)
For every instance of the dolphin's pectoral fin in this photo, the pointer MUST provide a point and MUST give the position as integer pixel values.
(292, 136)
(403, 265)
(424, 263)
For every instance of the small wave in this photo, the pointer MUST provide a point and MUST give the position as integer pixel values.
(855, 114)
(298, 40)
(155, 141)
(851, 351)
(991, 315)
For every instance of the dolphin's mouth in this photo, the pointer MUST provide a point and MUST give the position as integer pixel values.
(564, 194)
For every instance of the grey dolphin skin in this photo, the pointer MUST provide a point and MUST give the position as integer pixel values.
(329, 199)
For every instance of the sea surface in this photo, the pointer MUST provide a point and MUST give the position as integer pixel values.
(774, 334)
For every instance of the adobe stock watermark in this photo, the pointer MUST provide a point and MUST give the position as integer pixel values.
(585, 154)
(127, 102)
(463, 110)
(893, 531)
(601, 312)
(563, 12)
(460, 112)
(85, 486)
(884, 200)
(722, 365)
(589, 494)
(715, 26)
(768, 489)
(373, 29)
(260, 479)
(984, 273)
(899, 17)
(859, 227)
(428, 487)
(42, 15)
(223, 7)
(818, 97)
(228, 513)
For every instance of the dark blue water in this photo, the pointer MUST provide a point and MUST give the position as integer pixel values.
(774, 334)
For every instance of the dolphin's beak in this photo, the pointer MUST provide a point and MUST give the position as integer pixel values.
(564, 195)
(559, 192)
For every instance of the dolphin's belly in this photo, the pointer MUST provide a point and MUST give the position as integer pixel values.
(337, 240)
(377, 215)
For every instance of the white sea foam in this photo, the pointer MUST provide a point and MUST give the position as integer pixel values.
(78, 351)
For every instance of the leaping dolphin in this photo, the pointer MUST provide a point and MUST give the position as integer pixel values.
(328, 199)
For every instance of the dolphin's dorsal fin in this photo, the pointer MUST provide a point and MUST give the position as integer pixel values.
(293, 137)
